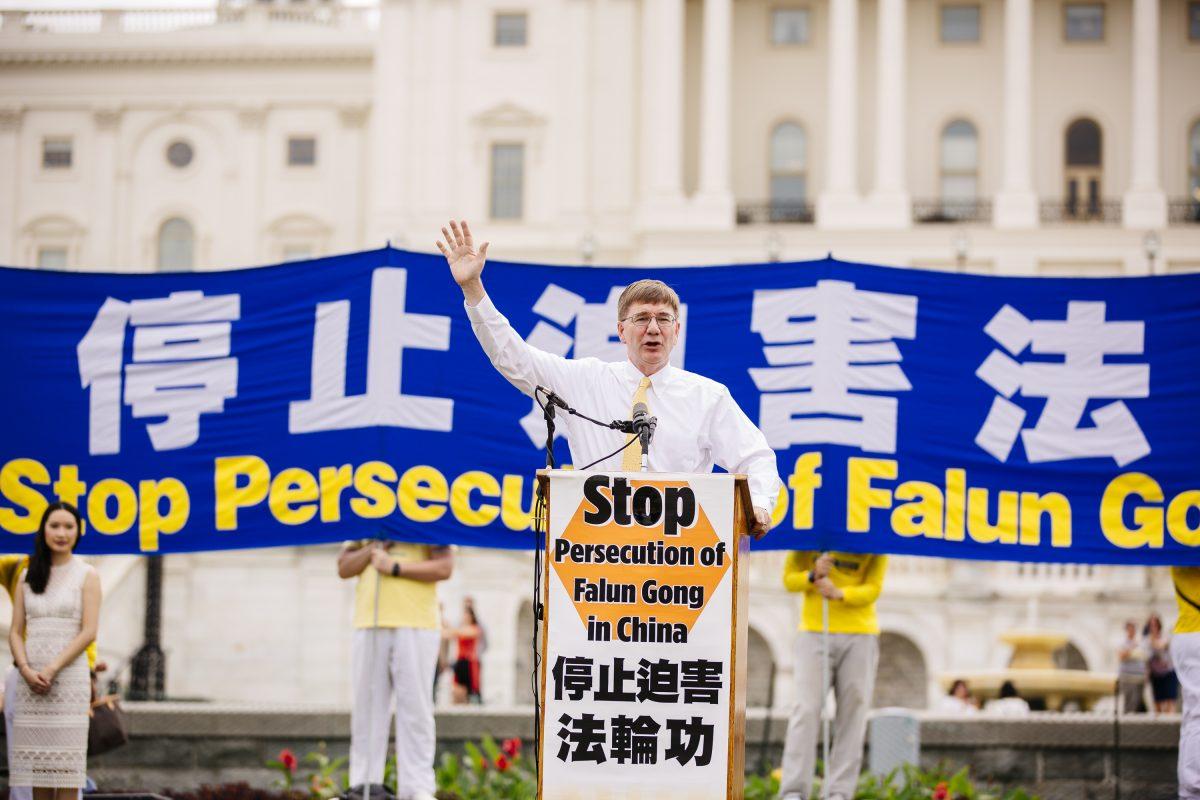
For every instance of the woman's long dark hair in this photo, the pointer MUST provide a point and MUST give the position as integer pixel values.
(38, 574)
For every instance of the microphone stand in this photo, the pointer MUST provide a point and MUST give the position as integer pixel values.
(548, 415)
(552, 399)
(646, 434)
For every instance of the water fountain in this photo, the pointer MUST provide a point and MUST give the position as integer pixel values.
(1033, 672)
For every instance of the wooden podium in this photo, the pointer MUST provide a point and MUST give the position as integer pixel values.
(643, 673)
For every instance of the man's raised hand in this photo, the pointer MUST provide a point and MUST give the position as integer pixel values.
(466, 265)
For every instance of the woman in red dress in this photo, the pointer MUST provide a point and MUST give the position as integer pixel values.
(468, 638)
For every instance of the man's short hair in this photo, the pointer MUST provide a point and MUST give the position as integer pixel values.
(647, 290)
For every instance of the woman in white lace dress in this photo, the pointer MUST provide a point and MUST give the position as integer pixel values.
(54, 617)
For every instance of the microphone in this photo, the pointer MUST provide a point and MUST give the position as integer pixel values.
(643, 425)
(552, 398)
(641, 418)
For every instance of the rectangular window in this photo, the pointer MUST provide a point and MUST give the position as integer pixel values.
(301, 151)
(508, 181)
(960, 23)
(1194, 21)
(1084, 22)
(56, 153)
(52, 257)
(789, 26)
(512, 30)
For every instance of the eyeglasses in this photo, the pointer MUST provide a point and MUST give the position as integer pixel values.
(643, 320)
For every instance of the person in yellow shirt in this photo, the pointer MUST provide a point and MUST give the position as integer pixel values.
(851, 582)
(394, 657)
(12, 567)
(1185, 653)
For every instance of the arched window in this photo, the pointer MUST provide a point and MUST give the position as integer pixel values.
(176, 245)
(1083, 144)
(1084, 169)
(960, 168)
(1069, 657)
(789, 172)
(902, 676)
(1194, 165)
(760, 670)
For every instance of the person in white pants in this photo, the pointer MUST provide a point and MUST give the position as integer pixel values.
(1185, 653)
(394, 659)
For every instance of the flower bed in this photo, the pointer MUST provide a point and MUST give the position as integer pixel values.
(491, 771)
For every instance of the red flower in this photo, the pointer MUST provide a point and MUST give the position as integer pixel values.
(941, 791)
(288, 759)
(511, 747)
(501, 763)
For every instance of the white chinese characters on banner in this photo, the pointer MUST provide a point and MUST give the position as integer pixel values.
(180, 368)
(392, 330)
(1083, 340)
(595, 337)
(826, 346)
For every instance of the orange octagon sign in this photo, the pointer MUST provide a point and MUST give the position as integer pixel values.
(637, 568)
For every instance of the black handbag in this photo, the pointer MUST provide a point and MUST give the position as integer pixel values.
(107, 729)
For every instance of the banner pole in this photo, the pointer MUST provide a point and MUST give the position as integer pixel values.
(824, 698)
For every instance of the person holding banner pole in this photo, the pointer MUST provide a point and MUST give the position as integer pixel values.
(839, 631)
(1185, 653)
(698, 422)
(393, 659)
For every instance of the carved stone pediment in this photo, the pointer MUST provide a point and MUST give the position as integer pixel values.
(509, 115)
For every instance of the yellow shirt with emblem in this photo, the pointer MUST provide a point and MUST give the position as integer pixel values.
(11, 570)
(1187, 583)
(403, 603)
(858, 575)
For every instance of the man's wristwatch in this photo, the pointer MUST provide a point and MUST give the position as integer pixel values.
(812, 576)
(395, 569)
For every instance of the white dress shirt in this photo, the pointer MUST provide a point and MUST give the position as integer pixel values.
(699, 424)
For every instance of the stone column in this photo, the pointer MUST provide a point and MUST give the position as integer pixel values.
(1016, 204)
(351, 232)
(10, 131)
(252, 158)
(714, 202)
(840, 204)
(390, 131)
(1145, 204)
(890, 205)
(101, 249)
(662, 202)
(576, 92)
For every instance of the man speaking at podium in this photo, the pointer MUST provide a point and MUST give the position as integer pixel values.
(699, 424)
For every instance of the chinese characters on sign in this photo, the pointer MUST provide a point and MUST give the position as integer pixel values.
(1082, 340)
(181, 367)
(392, 331)
(827, 346)
(934, 415)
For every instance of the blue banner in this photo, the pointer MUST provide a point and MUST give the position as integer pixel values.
(912, 412)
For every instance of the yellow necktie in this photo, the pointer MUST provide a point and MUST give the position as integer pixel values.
(631, 460)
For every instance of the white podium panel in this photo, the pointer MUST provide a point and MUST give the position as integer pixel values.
(640, 638)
